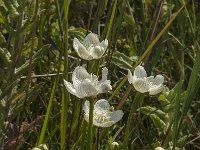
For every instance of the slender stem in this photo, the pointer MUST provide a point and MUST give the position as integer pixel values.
(98, 130)
(79, 120)
(135, 103)
(90, 140)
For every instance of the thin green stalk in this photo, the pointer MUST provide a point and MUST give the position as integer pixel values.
(90, 135)
(137, 99)
(83, 139)
(44, 127)
(149, 48)
(111, 19)
(176, 114)
(100, 10)
(65, 98)
(123, 100)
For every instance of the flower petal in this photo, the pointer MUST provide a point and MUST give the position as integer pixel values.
(81, 50)
(79, 74)
(91, 38)
(101, 106)
(156, 89)
(140, 72)
(141, 85)
(130, 77)
(116, 115)
(86, 89)
(158, 80)
(70, 88)
(86, 107)
(104, 74)
(104, 44)
(103, 124)
(96, 52)
(104, 87)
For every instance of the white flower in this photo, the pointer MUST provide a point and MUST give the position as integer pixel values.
(40, 147)
(86, 85)
(102, 116)
(90, 48)
(143, 84)
(159, 148)
(115, 144)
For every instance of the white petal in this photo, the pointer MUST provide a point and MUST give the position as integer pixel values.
(96, 52)
(140, 72)
(91, 38)
(86, 116)
(86, 107)
(104, 74)
(70, 88)
(158, 80)
(141, 85)
(79, 74)
(104, 124)
(81, 50)
(104, 44)
(86, 89)
(150, 79)
(101, 106)
(116, 115)
(93, 78)
(104, 87)
(156, 89)
(130, 77)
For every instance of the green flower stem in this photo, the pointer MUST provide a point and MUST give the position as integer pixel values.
(135, 103)
(90, 140)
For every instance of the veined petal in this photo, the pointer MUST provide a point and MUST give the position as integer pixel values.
(158, 80)
(104, 87)
(104, 44)
(141, 85)
(156, 89)
(79, 74)
(130, 77)
(70, 88)
(116, 115)
(103, 124)
(139, 72)
(86, 107)
(93, 78)
(81, 50)
(150, 79)
(86, 89)
(104, 74)
(96, 52)
(91, 38)
(101, 106)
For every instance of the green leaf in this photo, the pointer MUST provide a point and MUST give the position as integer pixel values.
(148, 110)
(38, 55)
(130, 20)
(159, 123)
(18, 105)
(77, 32)
(121, 60)
(5, 56)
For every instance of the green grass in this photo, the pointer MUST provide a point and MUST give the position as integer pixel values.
(36, 54)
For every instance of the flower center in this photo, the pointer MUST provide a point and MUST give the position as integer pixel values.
(101, 117)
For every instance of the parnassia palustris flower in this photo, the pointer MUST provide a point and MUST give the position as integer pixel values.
(87, 85)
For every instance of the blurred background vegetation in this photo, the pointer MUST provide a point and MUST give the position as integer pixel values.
(36, 54)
